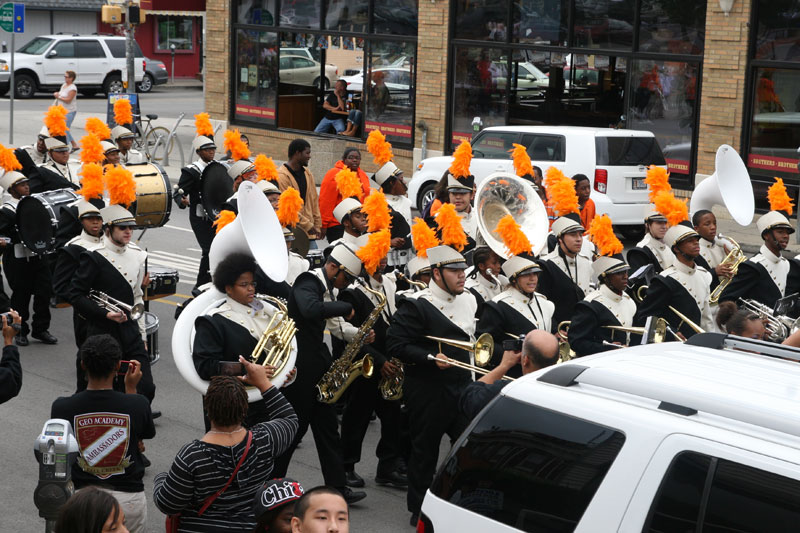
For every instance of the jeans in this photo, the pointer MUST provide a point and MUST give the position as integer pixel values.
(70, 118)
(338, 124)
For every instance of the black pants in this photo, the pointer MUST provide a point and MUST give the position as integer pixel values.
(334, 232)
(204, 232)
(364, 399)
(30, 278)
(433, 412)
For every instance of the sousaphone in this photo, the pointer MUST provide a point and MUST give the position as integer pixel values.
(729, 186)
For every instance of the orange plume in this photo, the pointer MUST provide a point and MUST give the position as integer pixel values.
(91, 181)
(91, 150)
(224, 218)
(235, 145)
(348, 184)
(379, 147)
(123, 112)
(289, 206)
(99, 128)
(657, 180)
(676, 211)
(8, 161)
(513, 237)
(778, 197)
(522, 162)
(601, 232)
(56, 120)
(450, 223)
(120, 185)
(423, 237)
(561, 192)
(265, 167)
(378, 245)
(202, 124)
(462, 157)
(377, 210)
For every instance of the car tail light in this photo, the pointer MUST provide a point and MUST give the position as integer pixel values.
(424, 524)
(144, 64)
(601, 180)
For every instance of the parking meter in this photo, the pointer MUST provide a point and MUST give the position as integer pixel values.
(56, 449)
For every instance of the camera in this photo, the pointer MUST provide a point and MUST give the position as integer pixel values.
(513, 345)
(10, 321)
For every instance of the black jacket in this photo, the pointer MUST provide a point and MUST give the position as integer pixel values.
(10, 373)
(753, 282)
(67, 264)
(586, 331)
(559, 289)
(217, 339)
(498, 319)
(189, 182)
(363, 306)
(638, 257)
(664, 292)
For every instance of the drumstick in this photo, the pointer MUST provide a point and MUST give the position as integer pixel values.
(146, 271)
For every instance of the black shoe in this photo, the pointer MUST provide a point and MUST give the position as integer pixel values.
(146, 462)
(414, 519)
(21, 340)
(392, 479)
(352, 479)
(352, 496)
(402, 466)
(156, 414)
(53, 302)
(45, 337)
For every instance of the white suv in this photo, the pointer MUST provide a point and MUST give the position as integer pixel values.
(696, 436)
(615, 161)
(98, 61)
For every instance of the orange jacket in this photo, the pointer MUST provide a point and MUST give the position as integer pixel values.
(329, 196)
(587, 214)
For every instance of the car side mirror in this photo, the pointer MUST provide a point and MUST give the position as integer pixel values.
(52, 53)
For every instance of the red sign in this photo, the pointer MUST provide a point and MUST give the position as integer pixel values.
(103, 440)
(677, 166)
(459, 136)
(777, 164)
(395, 130)
(260, 112)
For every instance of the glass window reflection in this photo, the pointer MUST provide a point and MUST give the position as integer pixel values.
(672, 26)
(347, 15)
(483, 20)
(778, 30)
(302, 13)
(540, 21)
(256, 75)
(390, 97)
(396, 18)
(258, 12)
(479, 98)
(604, 24)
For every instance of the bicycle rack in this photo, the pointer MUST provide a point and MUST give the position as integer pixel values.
(173, 134)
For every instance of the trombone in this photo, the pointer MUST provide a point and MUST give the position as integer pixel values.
(109, 303)
(466, 366)
(482, 348)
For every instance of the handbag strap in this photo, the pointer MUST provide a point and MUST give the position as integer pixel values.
(213, 497)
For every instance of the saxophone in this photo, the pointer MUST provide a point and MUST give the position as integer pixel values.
(346, 369)
(734, 258)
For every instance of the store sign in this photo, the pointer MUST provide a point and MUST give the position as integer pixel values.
(390, 130)
(775, 164)
(252, 111)
(459, 136)
(678, 166)
(12, 17)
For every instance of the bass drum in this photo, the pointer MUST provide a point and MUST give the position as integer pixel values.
(215, 188)
(153, 195)
(37, 218)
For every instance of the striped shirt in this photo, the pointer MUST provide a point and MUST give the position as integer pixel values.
(200, 469)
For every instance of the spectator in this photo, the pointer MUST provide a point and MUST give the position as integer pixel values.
(295, 173)
(229, 156)
(199, 484)
(440, 196)
(91, 510)
(378, 94)
(584, 189)
(109, 427)
(274, 505)
(321, 509)
(10, 369)
(67, 97)
(329, 196)
(337, 106)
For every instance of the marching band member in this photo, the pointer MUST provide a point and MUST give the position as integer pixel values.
(297, 263)
(419, 268)
(37, 151)
(349, 215)
(609, 304)
(123, 134)
(55, 173)
(768, 276)
(310, 304)
(533, 175)
(485, 281)
(652, 249)
(111, 153)
(712, 250)
(431, 390)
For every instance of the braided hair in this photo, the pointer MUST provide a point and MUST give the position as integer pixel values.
(100, 355)
(225, 401)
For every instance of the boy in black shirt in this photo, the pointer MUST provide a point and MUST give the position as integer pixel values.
(109, 427)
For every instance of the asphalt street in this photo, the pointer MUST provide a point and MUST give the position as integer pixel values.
(49, 371)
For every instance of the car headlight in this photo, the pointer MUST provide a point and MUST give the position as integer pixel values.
(419, 166)
(3, 66)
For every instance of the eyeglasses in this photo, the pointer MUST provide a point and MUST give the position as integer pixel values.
(247, 284)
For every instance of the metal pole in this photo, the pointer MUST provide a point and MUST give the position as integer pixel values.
(11, 96)
(172, 70)
(129, 51)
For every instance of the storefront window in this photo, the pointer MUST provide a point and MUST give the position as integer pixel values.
(540, 21)
(390, 99)
(664, 101)
(672, 26)
(301, 81)
(479, 91)
(301, 13)
(256, 75)
(482, 20)
(778, 30)
(347, 15)
(604, 24)
(257, 12)
(173, 30)
(396, 18)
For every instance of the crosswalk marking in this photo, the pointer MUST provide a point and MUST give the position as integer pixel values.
(186, 265)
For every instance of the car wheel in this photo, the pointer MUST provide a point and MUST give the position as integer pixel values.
(24, 86)
(426, 195)
(3, 91)
(326, 83)
(113, 84)
(632, 233)
(146, 85)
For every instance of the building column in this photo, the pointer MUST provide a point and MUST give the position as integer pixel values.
(217, 61)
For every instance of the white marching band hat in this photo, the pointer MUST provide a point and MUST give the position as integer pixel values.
(108, 147)
(116, 215)
(240, 167)
(56, 144)
(387, 171)
(418, 265)
(564, 225)
(345, 207)
(201, 142)
(268, 187)
(87, 209)
(121, 132)
(445, 257)
(608, 265)
(347, 259)
(773, 219)
(679, 233)
(518, 266)
(11, 178)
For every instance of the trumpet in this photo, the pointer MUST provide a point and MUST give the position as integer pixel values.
(466, 366)
(565, 351)
(734, 258)
(481, 348)
(778, 326)
(109, 303)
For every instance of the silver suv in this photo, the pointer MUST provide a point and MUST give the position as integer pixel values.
(98, 61)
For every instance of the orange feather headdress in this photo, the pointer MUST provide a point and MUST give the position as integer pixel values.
(450, 225)
(561, 192)
(522, 161)
(675, 210)
(778, 197)
(123, 112)
(265, 167)
(601, 232)
(423, 237)
(657, 180)
(91, 180)
(462, 158)
(224, 218)
(8, 161)
(56, 120)
(235, 145)
(202, 124)
(379, 147)
(377, 210)
(91, 150)
(121, 185)
(378, 245)
(513, 237)
(348, 184)
(99, 128)
(289, 206)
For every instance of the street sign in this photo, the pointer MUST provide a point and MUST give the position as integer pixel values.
(12, 17)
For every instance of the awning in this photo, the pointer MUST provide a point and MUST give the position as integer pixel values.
(175, 13)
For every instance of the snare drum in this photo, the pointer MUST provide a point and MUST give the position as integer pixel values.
(37, 218)
(163, 282)
(153, 195)
(151, 328)
(315, 259)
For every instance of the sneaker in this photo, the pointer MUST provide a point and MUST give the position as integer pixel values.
(352, 496)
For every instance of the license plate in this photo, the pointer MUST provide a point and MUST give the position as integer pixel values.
(638, 184)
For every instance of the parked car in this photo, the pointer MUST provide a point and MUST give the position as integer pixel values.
(615, 160)
(298, 70)
(696, 436)
(155, 73)
(397, 80)
(98, 61)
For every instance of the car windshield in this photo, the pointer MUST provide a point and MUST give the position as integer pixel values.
(36, 46)
(628, 151)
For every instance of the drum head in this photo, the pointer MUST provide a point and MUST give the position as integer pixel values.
(36, 225)
(216, 188)
(301, 242)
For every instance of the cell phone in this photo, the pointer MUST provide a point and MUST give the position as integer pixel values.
(231, 368)
(123, 367)
(512, 345)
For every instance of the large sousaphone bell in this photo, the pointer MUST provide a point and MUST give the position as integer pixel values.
(729, 186)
